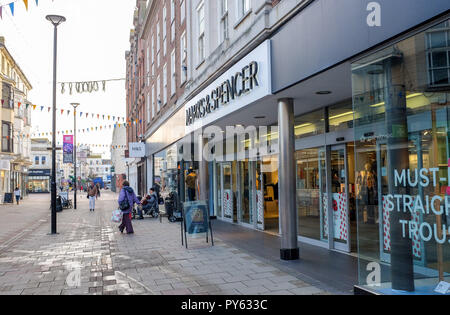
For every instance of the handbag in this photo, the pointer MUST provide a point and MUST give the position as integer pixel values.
(116, 216)
(124, 205)
(161, 200)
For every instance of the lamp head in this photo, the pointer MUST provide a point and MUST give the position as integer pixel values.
(75, 105)
(56, 19)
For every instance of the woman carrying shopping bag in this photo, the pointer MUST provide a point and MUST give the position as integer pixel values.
(127, 199)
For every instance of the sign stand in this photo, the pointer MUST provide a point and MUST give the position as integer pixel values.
(201, 224)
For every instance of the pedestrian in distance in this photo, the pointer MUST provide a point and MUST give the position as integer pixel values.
(17, 193)
(92, 194)
(98, 190)
(127, 199)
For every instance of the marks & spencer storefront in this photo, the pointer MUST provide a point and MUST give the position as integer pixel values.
(371, 127)
(358, 131)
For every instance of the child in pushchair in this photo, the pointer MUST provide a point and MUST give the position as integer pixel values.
(149, 206)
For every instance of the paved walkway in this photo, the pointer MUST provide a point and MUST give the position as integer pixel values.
(90, 256)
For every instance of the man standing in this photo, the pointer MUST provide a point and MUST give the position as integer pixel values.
(17, 193)
(92, 194)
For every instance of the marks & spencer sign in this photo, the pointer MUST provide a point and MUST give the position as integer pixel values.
(246, 82)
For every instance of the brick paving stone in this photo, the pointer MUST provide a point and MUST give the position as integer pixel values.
(306, 291)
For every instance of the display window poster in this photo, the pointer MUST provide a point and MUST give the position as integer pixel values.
(196, 217)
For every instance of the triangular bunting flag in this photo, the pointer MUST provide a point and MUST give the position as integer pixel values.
(18, 104)
(26, 4)
(1, 14)
(11, 6)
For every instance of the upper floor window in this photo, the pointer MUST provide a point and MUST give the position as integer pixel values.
(438, 54)
(223, 20)
(6, 137)
(201, 32)
(44, 160)
(183, 54)
(7, 101)
(244, 7)
(36, 160)
(183, 11)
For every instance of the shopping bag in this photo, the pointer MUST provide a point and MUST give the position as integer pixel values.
(116, 216)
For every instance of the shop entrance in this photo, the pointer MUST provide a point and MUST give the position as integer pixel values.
(224, 199)
(269, 171)
(342, 196)
(246, 193)
(251, 206)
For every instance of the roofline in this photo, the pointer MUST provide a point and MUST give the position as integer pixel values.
(16, 66)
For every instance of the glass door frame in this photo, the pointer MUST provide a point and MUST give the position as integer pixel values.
(252, 187)
(222, 166)
(332, 243)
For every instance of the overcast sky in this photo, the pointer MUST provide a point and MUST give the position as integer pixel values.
(91, 46)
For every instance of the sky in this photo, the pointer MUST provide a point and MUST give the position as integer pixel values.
(91, 46)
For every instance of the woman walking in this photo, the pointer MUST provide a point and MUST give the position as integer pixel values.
(92, 194)
(127, 196)
(17, 193)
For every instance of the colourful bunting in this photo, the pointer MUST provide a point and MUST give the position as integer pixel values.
(26, 4)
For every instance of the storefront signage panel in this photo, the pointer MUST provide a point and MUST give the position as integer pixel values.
(246, 82)
(137, 149)
(39, 173)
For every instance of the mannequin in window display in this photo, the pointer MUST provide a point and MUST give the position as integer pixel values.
(191, 180)
(366, 192)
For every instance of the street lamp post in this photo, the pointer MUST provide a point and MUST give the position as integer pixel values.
(55, 20)
(75, 105)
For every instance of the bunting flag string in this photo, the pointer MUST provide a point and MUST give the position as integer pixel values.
(11, 6)
(68, 111)
(80, 130)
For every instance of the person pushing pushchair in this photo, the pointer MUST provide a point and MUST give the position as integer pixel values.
(150, 205)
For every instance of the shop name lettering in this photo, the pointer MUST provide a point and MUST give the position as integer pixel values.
(240, 84)
(426, 205)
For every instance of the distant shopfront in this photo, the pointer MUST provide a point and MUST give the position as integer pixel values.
(39, 181)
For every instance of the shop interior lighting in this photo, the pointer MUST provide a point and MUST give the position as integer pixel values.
(407, 97)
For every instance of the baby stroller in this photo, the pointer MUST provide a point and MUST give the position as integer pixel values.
(65, 201)
(172, 207)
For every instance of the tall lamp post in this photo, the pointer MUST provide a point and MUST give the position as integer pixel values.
(55, 20)
(75, 105)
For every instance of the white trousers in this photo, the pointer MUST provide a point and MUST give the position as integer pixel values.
(91, 202)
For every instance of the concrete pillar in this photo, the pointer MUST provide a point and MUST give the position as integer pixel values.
(203, 170)
(286, 181)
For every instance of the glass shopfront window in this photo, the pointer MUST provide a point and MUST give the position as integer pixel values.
(340, 116)
(39, 184)
(401, 100)
(310, 124)
(166, 171)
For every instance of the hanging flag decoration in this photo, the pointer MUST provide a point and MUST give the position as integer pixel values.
(12, 7)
